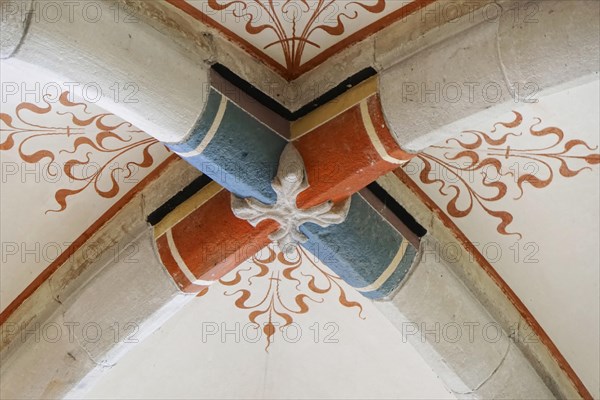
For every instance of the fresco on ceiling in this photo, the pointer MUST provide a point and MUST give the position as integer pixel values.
(477, 168)
(295, 36)
(274, 288)
(67, 168)
(95, 151)
(295, 23)
(523, 193)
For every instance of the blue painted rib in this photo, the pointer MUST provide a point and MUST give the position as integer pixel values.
(243, 154)
(361, 248)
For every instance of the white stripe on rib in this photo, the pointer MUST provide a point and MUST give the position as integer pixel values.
(389, 270)
(182, 265)
(368, 122)
(211, 132)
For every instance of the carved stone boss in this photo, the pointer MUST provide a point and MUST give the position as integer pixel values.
(291, 180)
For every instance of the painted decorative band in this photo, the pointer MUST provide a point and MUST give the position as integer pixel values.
(347, 153)
(181, 264)
(388, 271)
(210, 134)
(365, 250)
(209, 241)
(186, 208)
(375, 141)
(234, 149)
(334, 108)
(177, 274)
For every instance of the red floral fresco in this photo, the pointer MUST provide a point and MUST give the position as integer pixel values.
(96, 151)
(479, 169)
(307, 18)
(281, 274)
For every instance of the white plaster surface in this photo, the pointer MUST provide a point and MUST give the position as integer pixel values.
(33, 238)
(553, 267)
(352, 358)
(121, 301)
(485, 70)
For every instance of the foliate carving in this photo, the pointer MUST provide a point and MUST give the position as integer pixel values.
(290, 181)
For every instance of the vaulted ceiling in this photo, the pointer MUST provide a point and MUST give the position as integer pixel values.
(294, 36)
(521, 189)
(521, 216)
(238, 329)
(67, 167)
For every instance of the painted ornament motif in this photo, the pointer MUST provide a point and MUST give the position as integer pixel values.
(296, 23)
(277, 287)
(479, 169)
(92, 151)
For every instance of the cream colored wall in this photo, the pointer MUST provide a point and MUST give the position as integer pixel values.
(553, 267)
(351, 358)
(32, 238)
